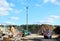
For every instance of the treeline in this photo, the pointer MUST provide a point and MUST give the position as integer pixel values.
(57, 29)
(34, 28)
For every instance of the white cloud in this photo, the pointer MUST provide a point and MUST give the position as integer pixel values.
(9, 23)
(12, 5)
(14, 18)
(4, 8)
(4, 13)
(52, 1)
(54, 16)
(45, 1)
(46, 21)
(37, 5)
(17, 11)
(51, 19)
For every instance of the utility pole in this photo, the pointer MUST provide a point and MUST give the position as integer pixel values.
(27, 17)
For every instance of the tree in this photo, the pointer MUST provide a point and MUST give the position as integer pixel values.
(57, 30)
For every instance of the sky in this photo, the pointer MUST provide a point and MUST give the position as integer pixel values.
(39, 12)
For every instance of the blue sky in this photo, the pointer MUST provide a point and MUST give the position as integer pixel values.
(39, 12)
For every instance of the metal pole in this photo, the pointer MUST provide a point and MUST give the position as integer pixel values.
(27, 17)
